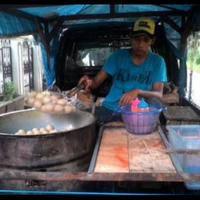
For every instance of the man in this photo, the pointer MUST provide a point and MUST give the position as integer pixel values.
(136, 72)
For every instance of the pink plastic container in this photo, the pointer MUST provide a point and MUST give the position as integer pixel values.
(134, 105)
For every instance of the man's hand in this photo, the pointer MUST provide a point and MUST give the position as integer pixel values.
(94, 82)
(87, 81)
(128, 97)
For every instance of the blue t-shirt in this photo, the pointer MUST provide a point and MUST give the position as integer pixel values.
(127, 76)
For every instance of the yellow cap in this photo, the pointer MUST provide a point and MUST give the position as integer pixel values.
(144, 26)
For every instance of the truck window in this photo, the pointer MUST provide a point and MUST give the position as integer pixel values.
(93, 57)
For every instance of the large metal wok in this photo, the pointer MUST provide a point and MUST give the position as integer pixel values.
(75, 139)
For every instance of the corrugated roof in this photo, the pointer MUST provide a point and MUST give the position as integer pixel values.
(64, 10)
(20, 18)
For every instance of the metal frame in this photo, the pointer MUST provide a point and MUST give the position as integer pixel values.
(28, 66)
(64, 176)
(7, 63)
(179, 176)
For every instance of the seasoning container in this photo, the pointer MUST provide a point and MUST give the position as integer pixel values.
(134, 105)
(143, 106)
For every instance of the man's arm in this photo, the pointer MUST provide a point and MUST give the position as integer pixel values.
(96, 81)
(156, 92)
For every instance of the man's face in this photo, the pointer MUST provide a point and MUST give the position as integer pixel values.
(141, 44)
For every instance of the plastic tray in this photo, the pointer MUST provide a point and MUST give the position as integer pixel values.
(186, 137)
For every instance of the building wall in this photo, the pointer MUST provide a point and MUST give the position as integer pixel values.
(17, 58)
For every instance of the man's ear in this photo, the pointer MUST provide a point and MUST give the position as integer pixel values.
(153, 40)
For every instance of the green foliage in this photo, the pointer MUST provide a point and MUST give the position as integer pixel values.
(193, 60)
(193, 56)
(197, 59)
(8, 91)
(190, 56)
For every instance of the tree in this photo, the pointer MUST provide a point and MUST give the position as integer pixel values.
(197, 59)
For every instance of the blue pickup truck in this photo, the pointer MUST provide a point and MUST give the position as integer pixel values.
(77, 39)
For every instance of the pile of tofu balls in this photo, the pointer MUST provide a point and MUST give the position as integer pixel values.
(47, 103)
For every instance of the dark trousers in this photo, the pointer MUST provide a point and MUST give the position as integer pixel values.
(104, 116)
